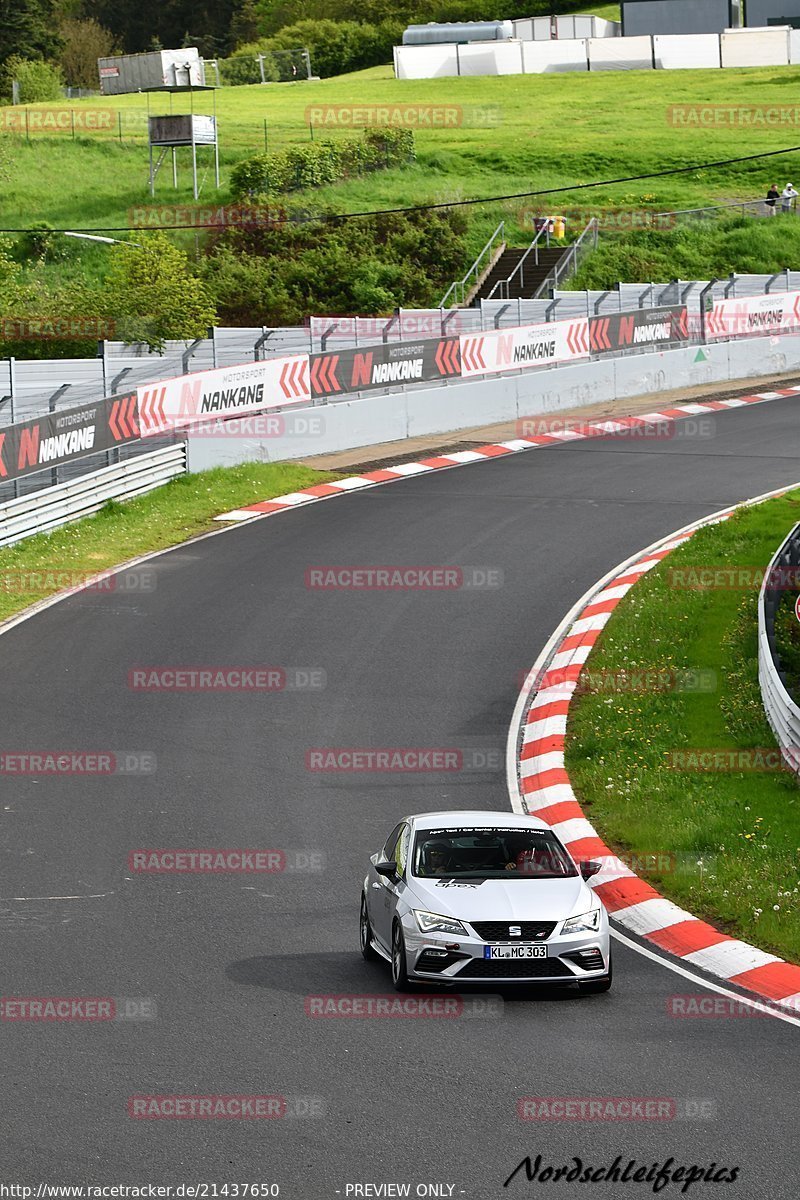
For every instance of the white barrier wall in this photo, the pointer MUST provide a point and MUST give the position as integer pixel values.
(620, 54)
(490, 58)
(425, 62)
(541, 58)
(794, 46)
(755, 47)
(674, 52)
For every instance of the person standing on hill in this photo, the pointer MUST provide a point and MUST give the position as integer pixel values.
(787, 196)
(773, 195)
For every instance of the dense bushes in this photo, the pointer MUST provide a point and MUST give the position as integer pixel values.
(328, 266)
(335, 46)
(320, 163)
(37, 80)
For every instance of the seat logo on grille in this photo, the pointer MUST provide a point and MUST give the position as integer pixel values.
(515, 931)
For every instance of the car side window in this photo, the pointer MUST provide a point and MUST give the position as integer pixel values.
(401, 853)
(391, 842)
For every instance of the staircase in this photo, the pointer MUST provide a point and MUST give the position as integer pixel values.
(510, 281)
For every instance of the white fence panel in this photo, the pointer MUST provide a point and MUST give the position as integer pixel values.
(540, 58)
(541, 29)
(755, 47)
(621, 54)
(523, 30)
(794, 46)
(490, 58)
(675, 52)
(425, 62)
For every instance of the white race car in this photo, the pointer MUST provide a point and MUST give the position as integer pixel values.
(474, 897)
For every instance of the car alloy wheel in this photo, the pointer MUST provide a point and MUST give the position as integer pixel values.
(399, 974)
(365, 933)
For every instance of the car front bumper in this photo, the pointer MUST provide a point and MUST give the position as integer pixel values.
(446, 958)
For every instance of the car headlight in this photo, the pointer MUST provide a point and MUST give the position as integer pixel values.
(588, 922)
(434, 923)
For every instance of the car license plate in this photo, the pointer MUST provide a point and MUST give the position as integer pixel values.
(515, 952)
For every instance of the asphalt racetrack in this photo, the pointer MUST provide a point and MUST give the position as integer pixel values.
(226, 962)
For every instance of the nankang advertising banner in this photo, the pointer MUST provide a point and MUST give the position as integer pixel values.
(524, 346)
(224, 392)
(778, 313)
(380, 366)
(640, 327)
(62, 437)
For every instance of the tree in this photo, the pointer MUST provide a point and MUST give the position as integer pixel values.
(154, 295)
(28, 29)
(37, 80)
(84, 41)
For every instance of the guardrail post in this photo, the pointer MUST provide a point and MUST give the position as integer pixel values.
(708, 288)
(115, 382)
(323, 340)
(498, 316)
(266, 334)
(387, 327)
(12, 363)
(56, 396)
(188, 352)
(212, 333)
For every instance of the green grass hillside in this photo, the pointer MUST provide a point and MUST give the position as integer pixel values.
(539, 132)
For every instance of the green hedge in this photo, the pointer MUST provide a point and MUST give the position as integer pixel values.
(320, 163)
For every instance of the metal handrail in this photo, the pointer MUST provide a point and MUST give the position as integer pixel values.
(504, 284)
(745, 206)
(460, 285)
(569, 263)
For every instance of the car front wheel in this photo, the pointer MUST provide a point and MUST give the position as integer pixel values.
(365, 933)
(399, 973)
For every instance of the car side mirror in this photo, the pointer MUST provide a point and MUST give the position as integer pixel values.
(589, 867)
(388, 868)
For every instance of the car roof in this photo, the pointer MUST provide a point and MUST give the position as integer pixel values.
(475, 818)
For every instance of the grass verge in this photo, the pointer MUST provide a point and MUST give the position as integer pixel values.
(725, 843)
(165, 517)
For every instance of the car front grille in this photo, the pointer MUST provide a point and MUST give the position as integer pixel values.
(514, 968)
(497, 931)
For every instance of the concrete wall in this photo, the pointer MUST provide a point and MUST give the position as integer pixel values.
(326, 428)
(675, 16)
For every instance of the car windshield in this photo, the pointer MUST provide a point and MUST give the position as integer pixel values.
(490, 854)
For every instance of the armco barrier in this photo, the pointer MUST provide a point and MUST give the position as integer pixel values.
(66, 502)
(782, 712)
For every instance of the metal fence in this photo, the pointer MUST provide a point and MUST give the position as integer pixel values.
(782, 712)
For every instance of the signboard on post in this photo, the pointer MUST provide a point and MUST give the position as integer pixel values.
(61, 437)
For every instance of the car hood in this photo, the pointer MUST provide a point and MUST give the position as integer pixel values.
(501, 900)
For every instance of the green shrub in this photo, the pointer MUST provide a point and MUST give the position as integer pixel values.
(320, 163)
(279, 275)
(336, 46)
(37, 80)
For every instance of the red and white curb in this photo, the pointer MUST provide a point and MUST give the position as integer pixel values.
(540, 786)
(439, 462)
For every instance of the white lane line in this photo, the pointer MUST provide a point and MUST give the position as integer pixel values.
(95, 896)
